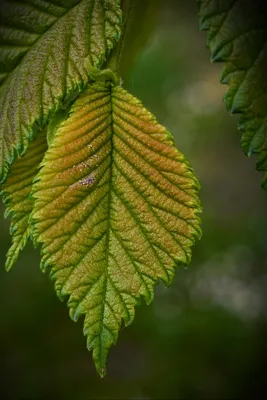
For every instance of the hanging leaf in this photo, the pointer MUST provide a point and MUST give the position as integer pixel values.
(44, 49)
(16, 196)
(237, 35)
(115, 210)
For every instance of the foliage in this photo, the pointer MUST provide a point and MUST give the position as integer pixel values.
(237, 35)
(114, 204)
(16, 196)
(43, 52)
(88, 172)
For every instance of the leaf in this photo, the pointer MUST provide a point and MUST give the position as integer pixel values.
(43, 53)
(16, 196)
(115, 210)
(237, 35)
(22, 24)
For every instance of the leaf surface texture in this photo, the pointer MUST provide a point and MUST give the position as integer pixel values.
(116, 209)
(237, 35)
(43, 49)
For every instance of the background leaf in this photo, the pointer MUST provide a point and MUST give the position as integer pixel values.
(237, 34)
(16, 195)
(42, 63)
(115, 209)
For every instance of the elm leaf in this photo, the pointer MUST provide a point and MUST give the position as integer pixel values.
(237, 35)
(44, 47)
(16, 196)
(115, 210)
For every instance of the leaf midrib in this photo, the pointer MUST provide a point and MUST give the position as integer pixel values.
(109, 200)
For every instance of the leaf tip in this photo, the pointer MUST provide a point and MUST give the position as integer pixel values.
(102, 372)
(8, 265)
(99, 359)
(11, 257)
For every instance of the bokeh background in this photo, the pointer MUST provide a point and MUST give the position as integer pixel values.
(205, 336)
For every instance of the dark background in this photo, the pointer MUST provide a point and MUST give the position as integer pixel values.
(203, 338)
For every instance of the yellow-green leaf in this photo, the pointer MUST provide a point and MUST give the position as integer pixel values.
(16, 196)
(44, 49)
(115, 210)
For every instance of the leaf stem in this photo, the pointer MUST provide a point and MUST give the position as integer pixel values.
(113, 62)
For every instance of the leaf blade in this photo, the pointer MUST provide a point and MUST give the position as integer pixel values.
(53, 70)
(16, 196)
(237, 35)
(112, 224)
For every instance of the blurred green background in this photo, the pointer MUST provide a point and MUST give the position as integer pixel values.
(203, 338)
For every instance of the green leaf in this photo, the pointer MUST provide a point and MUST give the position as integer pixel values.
(22, 24)
(16, 196)
(237, 35)
(44, 48)
(116, 209)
